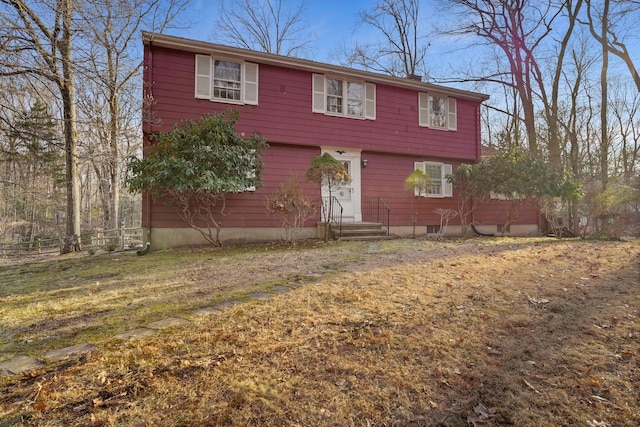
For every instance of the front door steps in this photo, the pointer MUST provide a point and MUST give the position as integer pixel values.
(360, 231)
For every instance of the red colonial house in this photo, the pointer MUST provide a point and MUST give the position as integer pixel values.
(380, 127)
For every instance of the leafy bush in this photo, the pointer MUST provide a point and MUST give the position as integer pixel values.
(195, 166)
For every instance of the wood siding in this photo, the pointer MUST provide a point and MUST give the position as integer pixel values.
(495, 212)
(384, 177)
(249, 209)
(391, 143)
(284, 113)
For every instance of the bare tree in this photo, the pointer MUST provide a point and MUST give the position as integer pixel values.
(551, 101)
(402, 50)
(602, 23)
(603, 39)
(264, 25)
(625, 109)
(38, 41)
(111, 28)
(607, 35)
(576, 119)
(517, 28)
(53, 42)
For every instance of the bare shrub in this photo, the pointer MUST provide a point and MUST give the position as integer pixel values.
(292, 206)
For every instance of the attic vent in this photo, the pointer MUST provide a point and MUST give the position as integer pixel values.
(414, 77)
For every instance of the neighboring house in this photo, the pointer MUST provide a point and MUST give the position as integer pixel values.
(380, 127)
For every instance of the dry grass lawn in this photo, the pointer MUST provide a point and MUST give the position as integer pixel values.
(487, 332)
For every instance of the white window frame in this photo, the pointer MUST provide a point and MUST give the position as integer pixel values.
(335, 101)
(427, 114)
(321, 98)
(354, 102)
(445, 187)
(226, 83)
(204, 80)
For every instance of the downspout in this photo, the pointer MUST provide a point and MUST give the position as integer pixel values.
(147, 124)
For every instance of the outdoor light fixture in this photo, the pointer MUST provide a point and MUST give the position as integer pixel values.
(364, 163)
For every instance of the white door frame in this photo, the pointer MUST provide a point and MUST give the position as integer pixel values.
(343, 154)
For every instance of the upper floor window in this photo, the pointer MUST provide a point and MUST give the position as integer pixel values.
(437, 112)
(439, 185)
(355, 99)
(334, 96)
(344, 98)
(226, 81)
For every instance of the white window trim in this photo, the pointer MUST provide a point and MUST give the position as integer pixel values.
(447, 187)
(204, 80)
(424, 111)
(319, 97)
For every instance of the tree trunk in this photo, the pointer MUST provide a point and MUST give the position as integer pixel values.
(552, 110)
(604, 135)
(114, 193)
(72, 232)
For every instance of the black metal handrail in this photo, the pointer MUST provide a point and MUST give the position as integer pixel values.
(375, 209)
(332, 206)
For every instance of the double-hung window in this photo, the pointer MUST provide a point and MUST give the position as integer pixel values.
(355, 99)
(334, 96)
(222, 80)
(338, 97)
(437, 112)
(227, 80)
(438, 185)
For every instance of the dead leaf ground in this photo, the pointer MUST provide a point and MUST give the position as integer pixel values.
(522, 332)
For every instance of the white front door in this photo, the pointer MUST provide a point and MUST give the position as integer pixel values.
(348, 195)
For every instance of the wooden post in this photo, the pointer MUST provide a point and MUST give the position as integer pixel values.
(122, 236)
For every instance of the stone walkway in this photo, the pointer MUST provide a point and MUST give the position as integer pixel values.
(23, 364)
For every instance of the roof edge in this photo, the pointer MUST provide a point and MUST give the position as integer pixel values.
(197, 46)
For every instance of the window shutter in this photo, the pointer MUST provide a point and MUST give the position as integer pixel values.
(370, 101)
(250, 83)
(417, 166)
(453, 114)
(203, 76)
(423, 109)
(318, 94)
(447, 187)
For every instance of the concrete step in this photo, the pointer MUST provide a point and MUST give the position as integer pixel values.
(369, 238)
(360, 231)
(359, 225)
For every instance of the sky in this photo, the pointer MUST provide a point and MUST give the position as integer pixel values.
(333, 22)
(337, 22)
